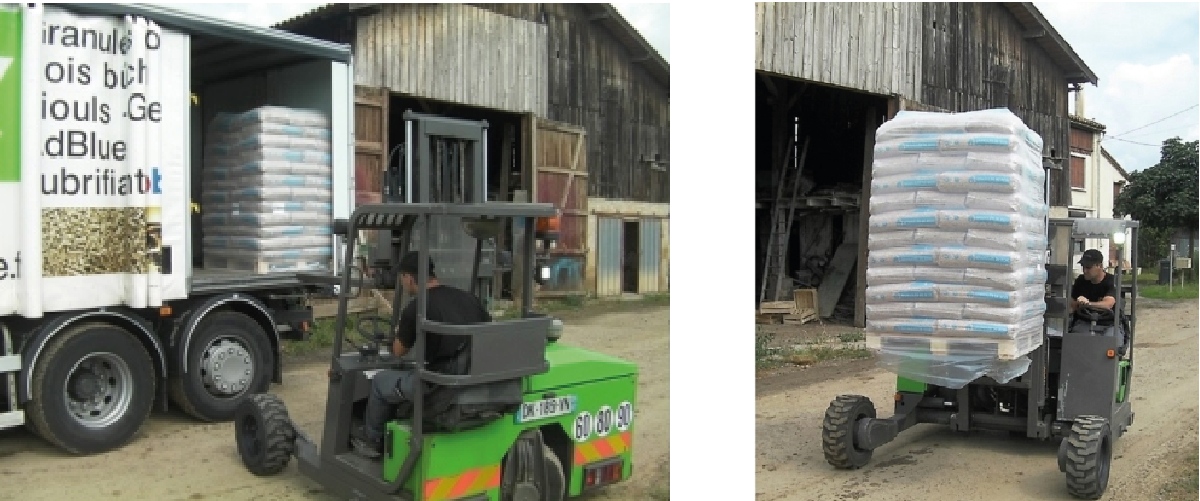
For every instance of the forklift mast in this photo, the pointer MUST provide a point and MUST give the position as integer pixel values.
(442, 160)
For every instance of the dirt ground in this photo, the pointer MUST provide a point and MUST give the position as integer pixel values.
(177, 458)
(1153, 461)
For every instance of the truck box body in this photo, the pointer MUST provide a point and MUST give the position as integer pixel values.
(106, 114)
(100, 170)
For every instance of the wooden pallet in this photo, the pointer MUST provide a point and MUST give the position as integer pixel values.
(802, 317)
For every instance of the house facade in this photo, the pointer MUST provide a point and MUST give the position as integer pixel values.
(1096, 178)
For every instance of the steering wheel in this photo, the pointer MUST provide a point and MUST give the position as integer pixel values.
(369, 327)
(1095, 313)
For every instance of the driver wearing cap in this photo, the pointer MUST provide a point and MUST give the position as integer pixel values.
(1094, 287)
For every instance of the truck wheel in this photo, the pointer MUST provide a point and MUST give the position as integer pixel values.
(265, 437)
(1087, 457)
(92, 390)
(229, 358)
(837, 431)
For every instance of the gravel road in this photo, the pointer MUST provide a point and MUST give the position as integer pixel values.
(176, 458)
(931, 463)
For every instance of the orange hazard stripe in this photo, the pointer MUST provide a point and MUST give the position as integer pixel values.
(603, 448)
(466, 483)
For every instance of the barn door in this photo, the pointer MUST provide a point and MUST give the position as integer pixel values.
(609, 243)
(370, 143)
(650, 255)
(560, 177)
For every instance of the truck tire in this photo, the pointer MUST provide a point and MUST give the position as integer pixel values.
(92, 389)
(228, 359)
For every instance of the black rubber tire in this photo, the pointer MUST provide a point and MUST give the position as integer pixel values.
(1088, 457)
(266, 439)
(839, 427)
(48, 411)
(556, 479)
(188, 391)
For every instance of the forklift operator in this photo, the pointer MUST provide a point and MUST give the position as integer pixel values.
(1094, 287)
(390, 388)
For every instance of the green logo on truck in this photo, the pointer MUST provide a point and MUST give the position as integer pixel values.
(10, 94)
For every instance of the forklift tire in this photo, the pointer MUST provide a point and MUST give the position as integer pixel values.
(92, 389)
(556, 480)
(1087, 456)
(265, 436)
(837, 431)
(221, 334)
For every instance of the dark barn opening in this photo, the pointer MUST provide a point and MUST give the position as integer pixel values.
(630, 265)
(821, 249)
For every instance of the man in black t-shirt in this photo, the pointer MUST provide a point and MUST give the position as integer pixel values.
(1094, 287)
(389, 388)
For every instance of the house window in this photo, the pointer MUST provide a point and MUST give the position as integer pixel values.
(1077, 172)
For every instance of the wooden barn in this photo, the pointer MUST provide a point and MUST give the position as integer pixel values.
(578, 109)
(827, 74)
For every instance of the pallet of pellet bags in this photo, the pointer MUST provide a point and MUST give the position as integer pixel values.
(956, 246)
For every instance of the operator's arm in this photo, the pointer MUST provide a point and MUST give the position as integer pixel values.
(1109, 299)
(406, 332)
(1074, 304)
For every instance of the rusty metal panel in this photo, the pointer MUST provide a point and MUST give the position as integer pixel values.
(608, 259)
(650, 255)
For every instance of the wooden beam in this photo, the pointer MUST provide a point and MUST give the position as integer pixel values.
(766, 80)
(864, 214)
(1034, 33)
(600, 16)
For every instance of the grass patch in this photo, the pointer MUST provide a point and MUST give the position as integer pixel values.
(1189, 291)
(842, 346)
(1187, 486)
(321, 337)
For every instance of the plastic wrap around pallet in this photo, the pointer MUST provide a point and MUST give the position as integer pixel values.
(263, 244)
(268, 219)
(270, 207)
(268, 194)
(307, 230)
(231, 168)
(957, 246)
(218, 181)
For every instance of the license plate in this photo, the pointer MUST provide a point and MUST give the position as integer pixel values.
(546, 408)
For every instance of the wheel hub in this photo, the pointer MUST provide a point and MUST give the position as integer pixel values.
(227, 367)
(99, 389)
(84, 386)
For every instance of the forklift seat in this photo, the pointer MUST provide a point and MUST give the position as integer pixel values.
(487, 385)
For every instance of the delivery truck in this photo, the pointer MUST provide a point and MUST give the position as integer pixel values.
(166, 182)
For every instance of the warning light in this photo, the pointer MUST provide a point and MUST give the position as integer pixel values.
(898, 397)
(164, 311)
(1111, 353)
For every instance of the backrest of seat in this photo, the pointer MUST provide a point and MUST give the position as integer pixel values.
(499, 350)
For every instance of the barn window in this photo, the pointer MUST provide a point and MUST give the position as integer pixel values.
(1077, 172)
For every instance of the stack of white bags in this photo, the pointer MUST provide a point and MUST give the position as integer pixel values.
(267, 191)
(957, 246)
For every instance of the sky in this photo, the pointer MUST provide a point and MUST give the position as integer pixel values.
(652, 20)
(1146, 58)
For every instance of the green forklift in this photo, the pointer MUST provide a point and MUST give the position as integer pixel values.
(1077, 387)
(530, 419)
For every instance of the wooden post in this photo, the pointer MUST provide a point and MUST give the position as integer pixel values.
(864, 214)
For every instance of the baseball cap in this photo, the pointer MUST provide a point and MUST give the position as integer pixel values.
(1091, 257)
(409, 263)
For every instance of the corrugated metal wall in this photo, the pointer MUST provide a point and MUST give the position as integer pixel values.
(608, 259)
(650, 255)
(454, 52)
(871, 46)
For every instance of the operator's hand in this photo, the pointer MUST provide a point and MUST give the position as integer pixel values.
(1083, 300)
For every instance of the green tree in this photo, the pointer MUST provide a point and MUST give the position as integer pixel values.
(1164, 198)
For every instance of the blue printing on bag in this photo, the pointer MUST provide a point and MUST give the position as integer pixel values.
(919, 145)
(914, 328)
(994, 179)
(989, 258)
(989, 141)
(917, 221)
(1001, 297)
(987, 328)
(913, 295)
(918, 183)
(996, 219)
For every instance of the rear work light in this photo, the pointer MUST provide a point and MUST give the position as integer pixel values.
(603, 472)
